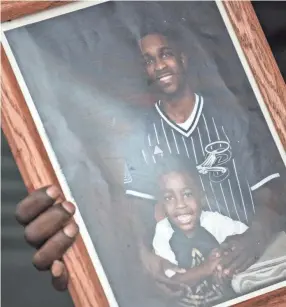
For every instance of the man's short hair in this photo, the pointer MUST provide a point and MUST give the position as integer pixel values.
(171, 33)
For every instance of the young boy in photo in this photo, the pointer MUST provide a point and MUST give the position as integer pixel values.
(189, 237)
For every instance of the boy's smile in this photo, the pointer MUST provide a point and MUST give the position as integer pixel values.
(185, 218)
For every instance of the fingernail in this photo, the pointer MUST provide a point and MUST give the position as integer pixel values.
(57, 268)
(219, 267)
(226, 271)
(71, 230)
(69, 207)
(53, 192)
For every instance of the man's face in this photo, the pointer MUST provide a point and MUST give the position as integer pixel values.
(164, 64)
(179, 196)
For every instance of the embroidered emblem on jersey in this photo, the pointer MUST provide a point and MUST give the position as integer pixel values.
(127, 175)
(202, 294)
(158, 151)
(218, 154)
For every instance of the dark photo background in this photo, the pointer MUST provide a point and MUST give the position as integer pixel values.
(97, 47)
(112, 69)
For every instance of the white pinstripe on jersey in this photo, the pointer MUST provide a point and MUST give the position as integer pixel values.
(209, 142)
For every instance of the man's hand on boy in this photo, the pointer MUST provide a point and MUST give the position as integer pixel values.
(174, 289)
(211, 263)
(156, 267)
(239, 252)
(48, 228)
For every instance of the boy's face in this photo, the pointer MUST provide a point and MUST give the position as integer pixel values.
(179, 195)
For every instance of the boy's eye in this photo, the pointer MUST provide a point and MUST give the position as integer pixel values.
(168, 197)
(188, 194)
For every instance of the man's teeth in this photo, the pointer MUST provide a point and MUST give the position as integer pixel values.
(166, 78)
(186, 218)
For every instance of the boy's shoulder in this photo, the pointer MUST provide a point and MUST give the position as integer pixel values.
(164, 222)
(221, 226)
(164, 226)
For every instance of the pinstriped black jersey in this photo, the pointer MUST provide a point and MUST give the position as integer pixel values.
(218, 141)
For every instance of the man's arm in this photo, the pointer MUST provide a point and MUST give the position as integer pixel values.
(265, 172)
(270, 216)
(241, 251)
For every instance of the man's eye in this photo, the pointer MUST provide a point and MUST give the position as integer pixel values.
(167, 55)
(148, 62)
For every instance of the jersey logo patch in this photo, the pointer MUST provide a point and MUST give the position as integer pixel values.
(218, 154)
(158, 151)
(127, 175)
(197, 257)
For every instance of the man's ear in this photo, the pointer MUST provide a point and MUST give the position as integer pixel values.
(184, 60)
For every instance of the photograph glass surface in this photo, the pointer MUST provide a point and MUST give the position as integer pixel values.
(163, 145)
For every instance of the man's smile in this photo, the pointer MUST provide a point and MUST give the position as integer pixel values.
(165, 78)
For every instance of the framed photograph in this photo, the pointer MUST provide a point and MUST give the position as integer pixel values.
(164, 123)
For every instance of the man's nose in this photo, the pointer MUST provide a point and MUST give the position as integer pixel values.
(160, 65)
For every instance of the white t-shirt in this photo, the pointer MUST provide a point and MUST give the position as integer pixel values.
(218, 225)
(187, 123)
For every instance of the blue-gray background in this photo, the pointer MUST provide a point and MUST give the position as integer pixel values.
(64, 78)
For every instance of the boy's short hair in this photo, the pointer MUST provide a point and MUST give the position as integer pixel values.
(180, 165)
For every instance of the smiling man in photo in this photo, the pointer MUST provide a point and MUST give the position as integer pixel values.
(237, 178)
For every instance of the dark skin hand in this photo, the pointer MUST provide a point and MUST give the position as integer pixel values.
(239, 252)
(48, 228)
(156, 266)
(193, 276)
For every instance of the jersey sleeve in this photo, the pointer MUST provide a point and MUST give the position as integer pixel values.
(255, 153)
(259, 155)
(138, 173)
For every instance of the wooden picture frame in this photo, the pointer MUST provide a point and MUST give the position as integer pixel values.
(37, 171)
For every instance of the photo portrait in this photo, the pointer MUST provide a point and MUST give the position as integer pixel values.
(160, 135)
